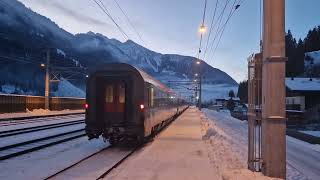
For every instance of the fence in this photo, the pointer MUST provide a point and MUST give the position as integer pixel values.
(19, 103)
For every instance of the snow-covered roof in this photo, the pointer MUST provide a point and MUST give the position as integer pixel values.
(303, 84)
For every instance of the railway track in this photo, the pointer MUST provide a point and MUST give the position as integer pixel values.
(25, 147)
(38, 128)
(11, 122)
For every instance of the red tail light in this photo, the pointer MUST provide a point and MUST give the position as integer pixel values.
(86, 106)
(141, 106)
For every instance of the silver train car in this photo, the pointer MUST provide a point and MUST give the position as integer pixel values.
(124, 103)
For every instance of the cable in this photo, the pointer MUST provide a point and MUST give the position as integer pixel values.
(260, 24)
(219, 23)
(230, 15)
(128, 19)
(105, 10)
(211, 26)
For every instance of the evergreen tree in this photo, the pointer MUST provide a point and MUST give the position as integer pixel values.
(231, 94)
(299, 65)
(243, 91)
(291, 45)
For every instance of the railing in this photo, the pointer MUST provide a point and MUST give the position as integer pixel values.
(20, 103)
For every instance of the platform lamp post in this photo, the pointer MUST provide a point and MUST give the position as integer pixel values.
(202, 30)
(200, 83)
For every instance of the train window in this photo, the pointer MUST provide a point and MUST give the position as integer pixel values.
(122, 93)
(109, 94)
(151, 97)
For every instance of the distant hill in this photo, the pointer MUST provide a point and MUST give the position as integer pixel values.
(25, 35)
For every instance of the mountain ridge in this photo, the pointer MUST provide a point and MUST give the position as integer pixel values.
(27, 32)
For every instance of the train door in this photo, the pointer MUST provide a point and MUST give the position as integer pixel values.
(115, 100)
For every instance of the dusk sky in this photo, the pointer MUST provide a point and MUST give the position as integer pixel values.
(171, 26)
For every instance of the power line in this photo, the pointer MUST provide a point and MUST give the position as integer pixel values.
(218, 27)
(105, 10)
(221, 34)
(130, 22)
(211, 25)
(235, 6)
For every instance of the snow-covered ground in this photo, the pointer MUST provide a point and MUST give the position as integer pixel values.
(43, 163)
(38, 112)
(178, 153)
(313, 133)
(6, 141)
(19, 124)
(302, 158)
(193, 147)
(66, 89)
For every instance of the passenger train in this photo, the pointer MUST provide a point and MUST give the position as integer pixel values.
(123, 103)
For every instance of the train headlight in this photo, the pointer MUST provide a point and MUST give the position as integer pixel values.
(141, 106)
(86, 106)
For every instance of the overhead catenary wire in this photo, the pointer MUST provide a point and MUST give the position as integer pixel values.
(203, 19)
(218, 24)
(235, 6)
(129, 21)
(211, 25)
(106, 11)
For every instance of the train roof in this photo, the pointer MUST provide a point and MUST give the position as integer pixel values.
(146, 77)
(151, 80)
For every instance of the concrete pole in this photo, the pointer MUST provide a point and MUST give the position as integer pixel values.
(200, 89)
(273, 90)
(47, 82)
(196, 95)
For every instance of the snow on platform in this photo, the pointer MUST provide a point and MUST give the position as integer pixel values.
(177, 153)
(37, 113)
(185, 151)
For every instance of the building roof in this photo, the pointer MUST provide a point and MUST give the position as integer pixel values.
(303, 84)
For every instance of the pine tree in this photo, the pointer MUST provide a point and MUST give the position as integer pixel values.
(243, 91)
(291, 45)
(299, 65)
(231, 94)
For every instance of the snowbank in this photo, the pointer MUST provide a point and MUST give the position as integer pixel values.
(227, 138)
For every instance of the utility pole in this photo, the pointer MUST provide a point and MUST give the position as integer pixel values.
(273, 90)
(47, 82)
(196, 95)
(200, 89)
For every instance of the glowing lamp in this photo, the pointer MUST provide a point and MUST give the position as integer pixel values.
(202, 29)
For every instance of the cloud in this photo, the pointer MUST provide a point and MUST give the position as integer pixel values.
(79, 16)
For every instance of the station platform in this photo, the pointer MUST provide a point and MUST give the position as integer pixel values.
(178, 152)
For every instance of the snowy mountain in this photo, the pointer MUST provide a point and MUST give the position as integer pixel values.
(312, 58)
(312, 64)
(25, 34)
(162, 66)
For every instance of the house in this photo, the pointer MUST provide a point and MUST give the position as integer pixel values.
(302, 92)
(303, 96)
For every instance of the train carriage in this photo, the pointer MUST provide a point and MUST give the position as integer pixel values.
(125, 103)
